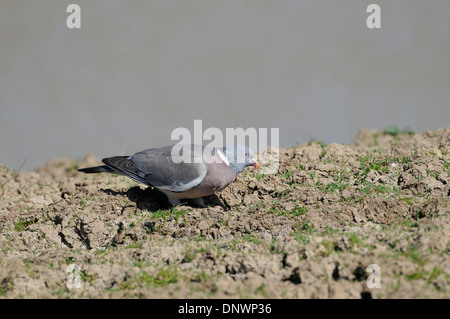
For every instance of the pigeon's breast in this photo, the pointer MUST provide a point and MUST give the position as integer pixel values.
(218, 176)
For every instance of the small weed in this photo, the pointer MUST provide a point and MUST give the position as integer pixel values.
(135, 245)
(261, 290)
(321, 143)
(295, 211)
(301, 238)
(29, 268)
(330, 247)
(298, 210)
(305, 227)
(275, 208)
(247, 238)
(22, 224)
(405, 159)
(83, 203)
(87, 277)
(259, 176)
(99, 252)
(188, 256)
(333, 186)
(14, 175)
(410, 223)
(447, 167)
(418, 274)
(413, 254)
(165, 276)
(5, 285)
(175, 212)
(253, 208)
(436, 272)
(371, 162)
(395, 131)
(287, 175)
(252, 239)
(407, 200)
(355, 240)
(201, 276)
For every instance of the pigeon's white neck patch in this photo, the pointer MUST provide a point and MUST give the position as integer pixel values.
(223, 157)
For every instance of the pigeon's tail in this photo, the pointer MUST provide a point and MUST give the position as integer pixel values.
(97, 169)
(123, 165)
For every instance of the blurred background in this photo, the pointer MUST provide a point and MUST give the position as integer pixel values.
(136, 70)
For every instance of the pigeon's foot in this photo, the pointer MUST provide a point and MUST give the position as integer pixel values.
(199, 202)
(174, 201)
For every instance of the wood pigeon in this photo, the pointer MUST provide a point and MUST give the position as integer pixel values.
(182, 171)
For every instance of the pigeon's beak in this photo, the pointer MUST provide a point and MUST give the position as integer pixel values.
(255, 163)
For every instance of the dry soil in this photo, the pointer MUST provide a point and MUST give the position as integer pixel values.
(309, 231)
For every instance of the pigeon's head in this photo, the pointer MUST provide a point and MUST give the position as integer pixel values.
(239, 157)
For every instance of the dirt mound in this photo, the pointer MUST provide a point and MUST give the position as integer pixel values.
(309, 231)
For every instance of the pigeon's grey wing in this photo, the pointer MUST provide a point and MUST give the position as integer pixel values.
(123, 165)
(176, 170)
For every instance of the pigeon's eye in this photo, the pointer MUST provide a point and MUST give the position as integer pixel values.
(246, 153)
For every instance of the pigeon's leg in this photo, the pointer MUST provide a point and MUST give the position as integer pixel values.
(200, 202)
(174, 201)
